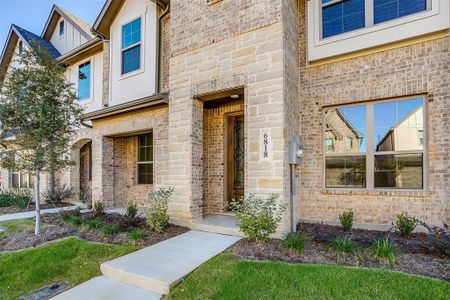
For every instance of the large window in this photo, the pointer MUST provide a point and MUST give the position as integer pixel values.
(84, 81)
(145, 159)
(131, 46)
(21, 180)
(375, 145)
(340, 16)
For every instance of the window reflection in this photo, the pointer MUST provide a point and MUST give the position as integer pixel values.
(345, 171)
(345, 129)
(398, 125)
(402, 171)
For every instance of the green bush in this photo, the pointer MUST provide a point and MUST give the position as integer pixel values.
(295, 242)
(383, 249)
(157, 217)
(405, 224)
(132, 209)
(93, 223)
(15, 197)
(72, 220)
(111, 230)
(6, 199)
(98, 207)
(58, 194)
(346, 219)
(257, 217)
(342, 246)
(135, 235)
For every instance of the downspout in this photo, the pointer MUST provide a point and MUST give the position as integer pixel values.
(159, 49)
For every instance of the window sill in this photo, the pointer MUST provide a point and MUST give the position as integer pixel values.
(131, 74)
(384, 192)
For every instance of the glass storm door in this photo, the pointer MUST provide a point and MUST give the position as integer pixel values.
(236, 157)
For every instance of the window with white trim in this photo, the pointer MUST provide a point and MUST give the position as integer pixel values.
(340, 16)
(378, 145)
(84, 81)
(20, 47)
(131, 46)
(145, 159)
(61, 28)
(21, 180)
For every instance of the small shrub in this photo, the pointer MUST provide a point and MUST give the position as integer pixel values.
(72, 220)
(346, 219)
(93, 223)
(157, 217)
(132, 209)
(295, 242)
(15, 197)
(58, 194)
(342, 246)
(405, 224)
(135, 235)
(383, 249)
(438, 237)
(85, 197)
(6, 199)
(257, 217)
(111, 230)
(98, 207)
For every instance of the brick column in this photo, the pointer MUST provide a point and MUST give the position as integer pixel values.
(103, 170)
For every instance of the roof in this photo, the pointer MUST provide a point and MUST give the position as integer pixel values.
(109, 12)
(76, 22)
(16, 33)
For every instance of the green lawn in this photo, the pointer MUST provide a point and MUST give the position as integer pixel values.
(14, 226)
(225, 277)
(72, 260)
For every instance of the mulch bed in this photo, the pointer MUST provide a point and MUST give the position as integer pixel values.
(31, 207)
(413, 254)
(27, 239)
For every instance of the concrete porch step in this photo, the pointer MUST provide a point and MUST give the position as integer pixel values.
(103, 288)
(159, 267)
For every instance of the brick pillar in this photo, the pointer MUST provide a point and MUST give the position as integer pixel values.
(103, 170)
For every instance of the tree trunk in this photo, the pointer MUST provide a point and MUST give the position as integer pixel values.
(37, 200)
(52, 180)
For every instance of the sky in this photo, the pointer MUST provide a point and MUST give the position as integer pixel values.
(32, 14)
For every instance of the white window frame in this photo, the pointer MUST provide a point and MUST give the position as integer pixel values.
(59, 28)
(370, 147)
(20, 47)
(91, 81)
(20, 174)
(435, 19)
(140, 43)
(150, 162)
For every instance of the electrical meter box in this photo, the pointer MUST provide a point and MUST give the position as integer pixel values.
(295, 151)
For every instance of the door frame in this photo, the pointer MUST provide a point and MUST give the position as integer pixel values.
(229, 145)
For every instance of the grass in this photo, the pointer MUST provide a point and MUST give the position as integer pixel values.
(343, 245)
(13, 226)
(225, 277)
(295, 243)
(72, 260)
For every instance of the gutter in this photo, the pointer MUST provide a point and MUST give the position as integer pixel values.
(79, 49)
(158, 52)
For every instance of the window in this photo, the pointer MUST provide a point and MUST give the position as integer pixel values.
(131, 46)
(145, 159)
(20, 47)
(84, 81)
(61, 28)
(386, 153)
(340, 16)
(329, 144)
(21, 180)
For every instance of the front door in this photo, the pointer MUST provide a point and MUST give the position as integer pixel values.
(235, 157)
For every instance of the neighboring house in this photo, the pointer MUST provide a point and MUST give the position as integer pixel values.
(210, 107)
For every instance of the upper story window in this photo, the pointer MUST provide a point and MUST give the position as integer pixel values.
(61, 28)
(145, 159)
(387, 149)
(131, 46)
(84, 80)
(340, 16)
(20, 47)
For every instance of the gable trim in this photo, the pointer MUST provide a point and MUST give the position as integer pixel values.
(52, 22)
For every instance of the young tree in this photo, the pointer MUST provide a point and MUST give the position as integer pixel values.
(38, 116)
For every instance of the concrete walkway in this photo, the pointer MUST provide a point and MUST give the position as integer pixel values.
(32, 213)
(151, 272)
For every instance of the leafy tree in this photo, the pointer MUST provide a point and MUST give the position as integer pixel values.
(38, 116)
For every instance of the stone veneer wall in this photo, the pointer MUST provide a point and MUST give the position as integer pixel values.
(214, 157)
(113, 160)
(421, 68)
(232, 52)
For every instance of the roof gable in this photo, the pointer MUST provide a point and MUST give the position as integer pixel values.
(55, 14)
